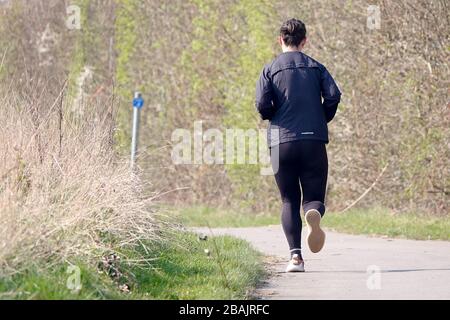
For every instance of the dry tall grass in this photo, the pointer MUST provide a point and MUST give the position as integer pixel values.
(63, 188)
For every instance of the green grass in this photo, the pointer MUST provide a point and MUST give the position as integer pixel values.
(382, 222)
(358, 221)
(203, 216)
(181, 270)
(188, 273)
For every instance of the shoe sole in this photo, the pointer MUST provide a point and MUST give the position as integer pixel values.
(316, 236)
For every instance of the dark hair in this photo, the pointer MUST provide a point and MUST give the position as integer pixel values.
(293, 32)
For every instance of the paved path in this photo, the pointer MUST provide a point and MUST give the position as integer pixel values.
(347, 267)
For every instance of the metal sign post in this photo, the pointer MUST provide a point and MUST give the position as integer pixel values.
(138, 103)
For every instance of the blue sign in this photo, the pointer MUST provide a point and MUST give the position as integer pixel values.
(138, 102)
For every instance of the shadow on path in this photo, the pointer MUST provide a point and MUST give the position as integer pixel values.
(381, 271)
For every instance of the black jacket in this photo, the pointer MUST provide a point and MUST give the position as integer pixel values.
(289, 93)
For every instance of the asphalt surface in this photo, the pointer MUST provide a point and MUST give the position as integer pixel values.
(351, 266)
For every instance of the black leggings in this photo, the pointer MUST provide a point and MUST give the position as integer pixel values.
(305, 163)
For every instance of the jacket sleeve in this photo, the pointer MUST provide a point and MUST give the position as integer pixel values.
(330, 94)
(264, 95)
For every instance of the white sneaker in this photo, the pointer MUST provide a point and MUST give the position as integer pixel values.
(316, 236)
(295, 264)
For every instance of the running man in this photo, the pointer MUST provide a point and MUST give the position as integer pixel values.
(299, 97)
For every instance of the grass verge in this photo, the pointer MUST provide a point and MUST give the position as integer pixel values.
(382, 222)
(183, 268)
(203, 216)
(374, 221)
